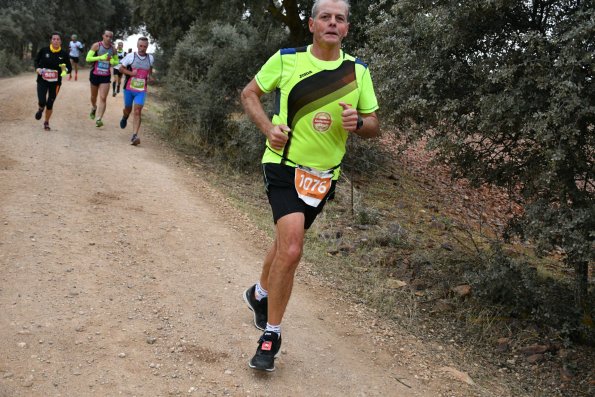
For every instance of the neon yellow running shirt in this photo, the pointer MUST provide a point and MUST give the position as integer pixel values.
(308, 92)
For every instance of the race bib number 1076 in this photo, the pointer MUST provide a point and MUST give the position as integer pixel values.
(312, 185)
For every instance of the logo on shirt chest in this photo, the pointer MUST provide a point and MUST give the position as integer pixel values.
(322, 121)
(309, 72)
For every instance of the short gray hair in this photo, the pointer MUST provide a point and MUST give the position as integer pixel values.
(317, 4)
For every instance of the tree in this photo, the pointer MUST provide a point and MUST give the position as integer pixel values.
(29, 23)
(294, 14)
(503, 91)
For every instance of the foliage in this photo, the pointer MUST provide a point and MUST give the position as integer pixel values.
(503, 90)
(29, 23)
(365, 157)
(520, 292)
(167, 20)
(170, 21)
(203, 91)
(9, 64)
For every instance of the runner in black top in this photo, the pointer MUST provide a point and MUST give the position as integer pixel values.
(50, 64)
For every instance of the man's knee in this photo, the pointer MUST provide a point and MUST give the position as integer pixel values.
(295, 250)
(291, 252)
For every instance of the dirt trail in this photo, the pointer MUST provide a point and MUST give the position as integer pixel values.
(121, 273)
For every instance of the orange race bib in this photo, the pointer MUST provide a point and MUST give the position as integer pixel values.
(312, 185)
(50, 75)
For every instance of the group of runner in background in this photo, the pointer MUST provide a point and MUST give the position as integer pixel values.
(105, 59)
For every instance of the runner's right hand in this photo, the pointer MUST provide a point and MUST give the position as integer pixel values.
(278, 137)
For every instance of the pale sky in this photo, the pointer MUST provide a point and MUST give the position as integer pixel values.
(131, 40)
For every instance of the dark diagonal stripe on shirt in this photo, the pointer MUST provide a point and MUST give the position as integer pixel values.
(316, 87)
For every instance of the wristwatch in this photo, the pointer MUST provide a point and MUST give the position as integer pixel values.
(360, 122)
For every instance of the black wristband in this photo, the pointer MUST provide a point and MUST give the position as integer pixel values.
(360, 122)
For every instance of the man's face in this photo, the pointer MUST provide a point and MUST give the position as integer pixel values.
(142, 46)
(108, 36)
(330, 26)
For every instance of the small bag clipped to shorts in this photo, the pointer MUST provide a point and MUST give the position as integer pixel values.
(312, 185)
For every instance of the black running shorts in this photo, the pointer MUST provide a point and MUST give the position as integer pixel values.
(283, 198)
(97, 80)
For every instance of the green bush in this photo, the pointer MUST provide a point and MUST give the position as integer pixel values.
(365, 156)
(9, 64)
(207, 72)
(520, 292)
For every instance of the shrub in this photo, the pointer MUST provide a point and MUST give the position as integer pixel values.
(9, 64)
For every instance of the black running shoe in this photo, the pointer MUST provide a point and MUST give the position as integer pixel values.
(123, 122)
(38, 114)
(269, 346)
(260, 308)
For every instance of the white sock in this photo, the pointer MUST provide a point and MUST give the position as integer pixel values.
(260, 292)
(273, 328)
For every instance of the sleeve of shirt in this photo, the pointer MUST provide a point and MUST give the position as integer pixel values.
(269, 75)
(367, 101)
(128, 59)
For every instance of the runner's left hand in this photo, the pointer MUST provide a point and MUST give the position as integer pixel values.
(348, 117)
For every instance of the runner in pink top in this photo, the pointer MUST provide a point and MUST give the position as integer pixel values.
(137, 67)
(102, 55)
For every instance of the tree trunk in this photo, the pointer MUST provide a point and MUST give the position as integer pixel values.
(581, 293)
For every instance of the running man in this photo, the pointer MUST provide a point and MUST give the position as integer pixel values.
(117, 75)
(103, 56)
(50, 64)
(323, 96)
(75, 47)
(137, 66)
